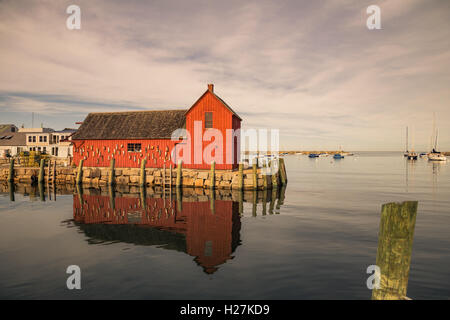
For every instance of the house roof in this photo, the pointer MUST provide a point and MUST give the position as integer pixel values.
(13, 139)
(131, 125)
(6, 127)
(218, 98)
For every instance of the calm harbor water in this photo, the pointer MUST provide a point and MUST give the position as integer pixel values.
(313, 240)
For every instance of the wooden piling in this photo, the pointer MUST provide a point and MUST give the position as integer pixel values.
(80, 195)
(48, 171)
(395, 241)
(255, 176)
(212, 200)
(283, 172)
(254, 202)
(41, 171)
(272, 200)
(264, 175)
(241, 202)
(179, 200)
(11, 171)
(241, 176)
(79, 173)
(264, 202)
(143, 198)
(41, 190)
(274, 174)
(11, 191)
(111, 180)
(212, 185)
(282, 195)
(112, 197)
(179, 173)
(143, 178)
(54, 173)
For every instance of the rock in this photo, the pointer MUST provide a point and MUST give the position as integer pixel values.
(199, 183)
(228, 176)
(134, 179)
(123, 180)
(203, 175)
(225, 184)
(188, 181)
(87, 173)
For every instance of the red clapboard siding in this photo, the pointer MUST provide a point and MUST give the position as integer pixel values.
(98, 153)
(222, 120)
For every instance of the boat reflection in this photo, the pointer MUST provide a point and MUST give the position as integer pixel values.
(201, 223)
(395, 241)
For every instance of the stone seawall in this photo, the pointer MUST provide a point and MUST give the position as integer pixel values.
(98, 177)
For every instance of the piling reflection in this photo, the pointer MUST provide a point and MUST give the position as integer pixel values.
(395, 240)
(204, 224)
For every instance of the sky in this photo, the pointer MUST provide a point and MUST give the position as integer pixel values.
(311, 69)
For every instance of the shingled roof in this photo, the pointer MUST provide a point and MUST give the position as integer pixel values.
(13, 139)
(131, 125)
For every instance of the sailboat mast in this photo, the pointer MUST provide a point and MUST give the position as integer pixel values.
(406, 138)
(435, 141)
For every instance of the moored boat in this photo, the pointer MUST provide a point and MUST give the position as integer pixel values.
(412, 155)
(435, 155)
(338, 156)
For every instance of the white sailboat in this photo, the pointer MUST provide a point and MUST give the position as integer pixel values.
(435, 155)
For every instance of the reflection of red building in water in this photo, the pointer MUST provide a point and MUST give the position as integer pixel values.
(209, 235)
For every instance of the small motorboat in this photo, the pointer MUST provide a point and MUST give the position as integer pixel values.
(313, 155)
(338, 156)
(412, 155)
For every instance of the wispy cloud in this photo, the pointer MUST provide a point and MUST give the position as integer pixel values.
(310, 68)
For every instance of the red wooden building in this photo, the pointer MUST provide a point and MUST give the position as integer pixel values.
(212, 132)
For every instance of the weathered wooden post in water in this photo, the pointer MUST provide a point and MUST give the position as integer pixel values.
(255, 202)
(41, 171)
(212, 202)
(241, 202)
(112, 197)
(79, 173)
(255, 176)
(11, 171)
(54, 175)
(283, 172)
(274, 174)
(212, 185)
(264, 200)
(143, 196)
(80, 195)
(143, 178)
(395, 241)
(112, 179)
(272, 200)
(179, 173)
(241, 176)
(11, 191)
(41, 191)
(179, 200)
